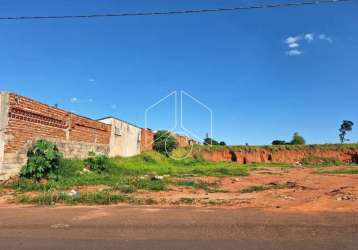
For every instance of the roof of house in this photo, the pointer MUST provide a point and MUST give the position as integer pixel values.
(112, 117)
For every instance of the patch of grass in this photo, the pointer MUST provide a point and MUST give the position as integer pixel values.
(340, 171)
(124, 188)
(208, 187)
(140, 165)
(214, 202)
(252, 189)
(90, 198)
(316, 161)
(70, 168)
(142, 201)
(186, 200)
(153, 185)
(106, 197)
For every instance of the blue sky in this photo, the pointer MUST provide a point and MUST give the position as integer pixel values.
(264, 73)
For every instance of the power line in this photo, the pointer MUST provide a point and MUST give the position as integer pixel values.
(193, 11)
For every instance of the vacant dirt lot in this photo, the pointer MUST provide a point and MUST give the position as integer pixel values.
(295, 188)
(277, 188)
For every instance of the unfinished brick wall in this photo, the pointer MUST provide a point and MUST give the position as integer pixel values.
(28, 120)
(184, 141)
(147, 138)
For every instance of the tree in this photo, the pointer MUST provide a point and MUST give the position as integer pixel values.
(346, 126)
(279, 142)
(297, 139)
(164, 142)
(222, 143)
(210, 141)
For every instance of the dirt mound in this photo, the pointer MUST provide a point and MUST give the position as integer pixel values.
(272, 154)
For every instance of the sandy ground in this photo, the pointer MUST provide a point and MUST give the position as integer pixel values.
(304, 191)
(300, 190)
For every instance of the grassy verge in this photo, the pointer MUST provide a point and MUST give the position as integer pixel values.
(353, 170)
(87, 198)
(130, 174)
(314, 161)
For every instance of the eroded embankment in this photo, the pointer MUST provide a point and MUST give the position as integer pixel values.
(287, 154)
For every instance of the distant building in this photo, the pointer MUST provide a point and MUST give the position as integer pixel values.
(125, 137)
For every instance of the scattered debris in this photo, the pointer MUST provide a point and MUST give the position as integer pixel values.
(298, 164)
(60, 226)
(344, 198)
(286, 197)
(73, 193)
(341, 195)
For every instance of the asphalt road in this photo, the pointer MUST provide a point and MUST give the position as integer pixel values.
(173, 228)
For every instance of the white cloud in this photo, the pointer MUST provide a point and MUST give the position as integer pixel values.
(309, 37)
(293, 52)
(91, 80)
(295, 42)
(325, 37)
(74, 100)
(293, 45)
(113, 106)
(90, 100)
(292, 39)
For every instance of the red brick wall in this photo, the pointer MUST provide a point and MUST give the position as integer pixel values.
(29, 119)
(184, 141)
(147, 138)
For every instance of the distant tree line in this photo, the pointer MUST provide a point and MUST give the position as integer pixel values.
(211, 141)
(297, 139)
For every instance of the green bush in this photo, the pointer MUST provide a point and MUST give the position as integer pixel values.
(98, 163)
(164, 142)
(43, 159)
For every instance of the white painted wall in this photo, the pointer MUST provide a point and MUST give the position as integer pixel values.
(125, 138)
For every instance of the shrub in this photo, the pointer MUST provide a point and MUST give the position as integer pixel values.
(164, 142)
(96, 162)
(43, 159)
